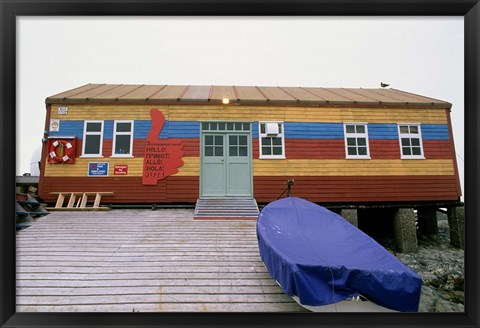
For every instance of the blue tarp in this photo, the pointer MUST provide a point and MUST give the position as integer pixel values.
(318, 256)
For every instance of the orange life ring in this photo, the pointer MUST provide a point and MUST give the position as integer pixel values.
(60, 151)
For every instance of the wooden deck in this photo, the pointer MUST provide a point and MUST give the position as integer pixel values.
(145, 261)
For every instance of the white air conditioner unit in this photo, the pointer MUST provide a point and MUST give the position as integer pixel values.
(271, 129)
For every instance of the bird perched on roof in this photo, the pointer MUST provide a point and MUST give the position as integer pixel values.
(384, 85)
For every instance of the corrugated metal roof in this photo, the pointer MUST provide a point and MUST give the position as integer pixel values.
(138, 93)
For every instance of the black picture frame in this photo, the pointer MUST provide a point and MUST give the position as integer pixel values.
(470, 9)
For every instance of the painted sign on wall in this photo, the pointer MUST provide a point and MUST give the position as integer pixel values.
(120, 169)
(96, 169)
(162, 157)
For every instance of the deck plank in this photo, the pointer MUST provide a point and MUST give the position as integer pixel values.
(143, 261)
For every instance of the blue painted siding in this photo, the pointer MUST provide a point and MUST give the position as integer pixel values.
(70, 129)
(254, 129)
(171, 129)
(382, 131)
(390, 131)
(293, 130)
(435, 131)
(298, 130)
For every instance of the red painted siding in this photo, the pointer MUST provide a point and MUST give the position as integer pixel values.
(359, 189)
(126, 189)
(191, 147)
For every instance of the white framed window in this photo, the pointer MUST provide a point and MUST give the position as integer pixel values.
(92, 139)
(122, 139)
(356, 140)
(410, 138)
(272, 141)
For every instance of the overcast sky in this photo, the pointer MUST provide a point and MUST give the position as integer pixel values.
(422, 55)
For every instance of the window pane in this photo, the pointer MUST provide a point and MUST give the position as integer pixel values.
(416, 151)
(213, 126)
(351, 142)
(242, 140)
(209, 151)
(233, 140)
(230, 126)
(221, 126)
(352, 151)
(219, 140)
(413, 129)
(266, 141)
(350, 129)
(406, 151)
(360, 129)
(277, 141)
(218, 151)
(242, 151)
(415, 142)
(124, 127)
(262, 128)
(403, 129)
(266, 151)
(405, 142)
(205, 126)
(277, 150)
(94, 127)
(362, 150)
(238, 126)
(361, 141)
(233, 151)
(209, 140)
(92, 144)
(246, 126)
(122, 144)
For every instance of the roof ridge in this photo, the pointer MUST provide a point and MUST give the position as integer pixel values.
(383, 95)
(351, 90)
(288, 94)
(261, 92)
(418, 96)
(314, 94)
(94, 87)
(114, 87)
(153, 94)
(138, 87)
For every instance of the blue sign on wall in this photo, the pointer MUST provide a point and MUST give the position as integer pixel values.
(97, 169)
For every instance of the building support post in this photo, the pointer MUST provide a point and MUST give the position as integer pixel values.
(427, 221)
(405, 230)
(456, 224)
(350, 215)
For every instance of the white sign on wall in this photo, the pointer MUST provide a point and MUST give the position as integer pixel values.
(54, 125)
(62, 110)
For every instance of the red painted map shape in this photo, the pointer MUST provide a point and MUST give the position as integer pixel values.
(162, 157)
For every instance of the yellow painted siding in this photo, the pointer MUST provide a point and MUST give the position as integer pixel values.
(252, 113)
(106, 112)
(300, 167)
(191, 167)
(261, 167)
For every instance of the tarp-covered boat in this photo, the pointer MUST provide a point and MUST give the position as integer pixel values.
(319, 258)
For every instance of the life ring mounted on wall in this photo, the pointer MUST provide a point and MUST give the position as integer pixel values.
(61, 151)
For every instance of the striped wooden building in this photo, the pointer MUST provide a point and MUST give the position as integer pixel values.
(176, 144)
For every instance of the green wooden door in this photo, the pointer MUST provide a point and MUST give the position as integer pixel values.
(226, 168)
(213, 165)
(238, 168)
